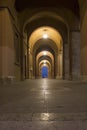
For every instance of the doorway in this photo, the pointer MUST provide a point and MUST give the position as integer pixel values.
(44, 72)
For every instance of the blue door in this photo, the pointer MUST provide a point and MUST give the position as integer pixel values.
(44, 72)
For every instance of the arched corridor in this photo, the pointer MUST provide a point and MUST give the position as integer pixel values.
(43, 65)
(57, 29)
(45, 43)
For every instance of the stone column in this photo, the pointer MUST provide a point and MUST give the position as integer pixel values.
(66, 65)
(30, 66)
(22, 58)
(56, 66)
(27, 62)
(84, 41)
(60, 65)
(75, 43)
(6, 47)
(52, 69)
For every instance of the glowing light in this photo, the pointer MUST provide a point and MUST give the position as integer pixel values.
(44, 53)
(45, 36)
(45, 116)
(44, 62)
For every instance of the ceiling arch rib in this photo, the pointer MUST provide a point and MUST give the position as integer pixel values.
(47, 45)
(41, 54)
(45, 15)
(46, 18)
(45, 58)
(44, 62)
(38, 34)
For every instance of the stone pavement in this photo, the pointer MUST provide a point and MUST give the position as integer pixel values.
(43, 105)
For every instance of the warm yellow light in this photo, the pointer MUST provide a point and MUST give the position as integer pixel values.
(44, 62)
(45, 36)
(44, 53)
(45, 116)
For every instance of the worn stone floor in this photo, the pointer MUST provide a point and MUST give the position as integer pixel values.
(43, 104)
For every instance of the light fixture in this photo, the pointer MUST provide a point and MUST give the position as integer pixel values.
(45, 36)
(44, 62)
(44, 53)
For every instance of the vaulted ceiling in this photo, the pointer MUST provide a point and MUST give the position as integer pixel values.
(69, 4)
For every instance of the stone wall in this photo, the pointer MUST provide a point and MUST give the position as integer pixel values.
(6, 47)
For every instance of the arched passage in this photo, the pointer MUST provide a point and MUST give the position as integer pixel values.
(52, 43)
(45, 69)
(47, 57)
(64, 20)
(61, 28)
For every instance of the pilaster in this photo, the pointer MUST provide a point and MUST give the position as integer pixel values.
(6, 47)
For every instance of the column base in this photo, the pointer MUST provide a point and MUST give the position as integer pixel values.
(83, 78)
(67, 77)
(59, 77)
(7, 79)
(76, 77)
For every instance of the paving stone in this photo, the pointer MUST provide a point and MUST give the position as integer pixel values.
(43, 105)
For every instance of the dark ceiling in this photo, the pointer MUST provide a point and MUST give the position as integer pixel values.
(70, 4)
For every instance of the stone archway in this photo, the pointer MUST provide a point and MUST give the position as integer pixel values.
(46, 44)
(67, 24)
